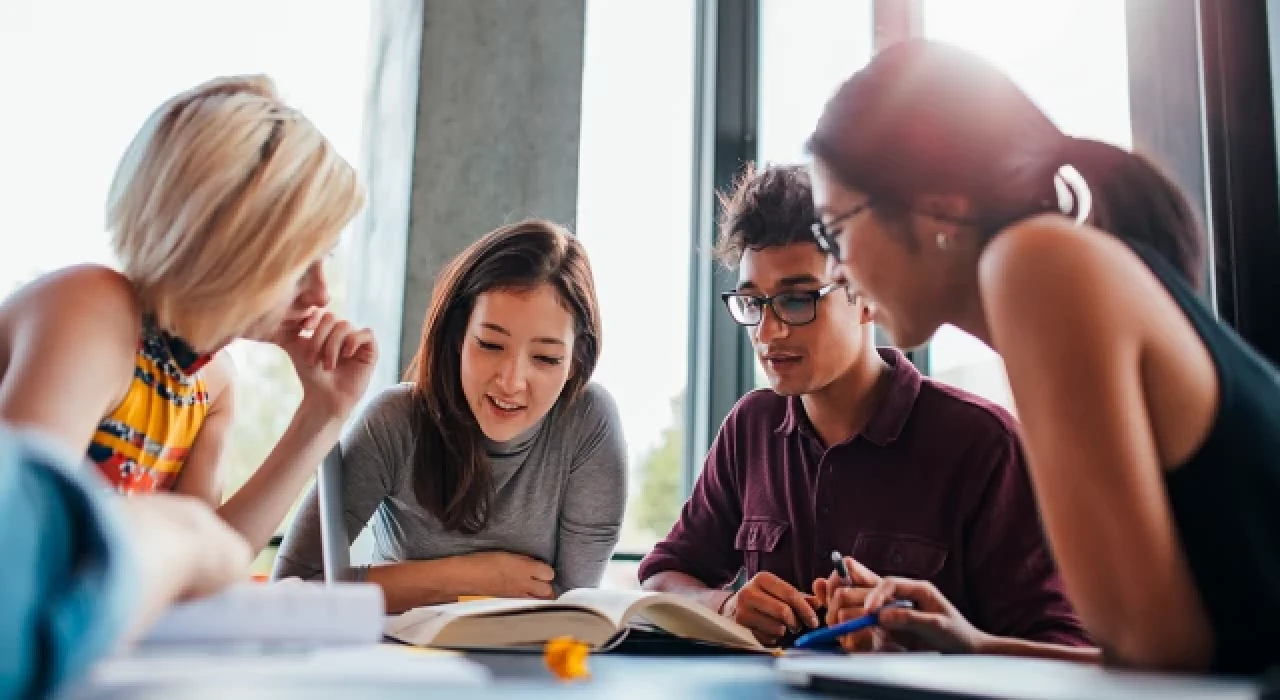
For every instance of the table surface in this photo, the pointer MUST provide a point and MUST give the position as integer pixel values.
(518, 675)
(617, 676)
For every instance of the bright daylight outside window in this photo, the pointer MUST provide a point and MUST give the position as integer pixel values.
(635, 192)
(807, 49)
(101, 75)
(1077, 73)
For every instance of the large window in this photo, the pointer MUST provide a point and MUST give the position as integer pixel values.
(634, 217)
(81, 76)
(1077, 73)
(807, 49)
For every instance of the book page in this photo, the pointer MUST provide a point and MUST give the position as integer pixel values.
(685, 618)
(422, 625)
(673, 613)
(618, 606)
(418, 626)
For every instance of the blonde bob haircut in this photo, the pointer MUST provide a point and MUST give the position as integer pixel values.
(221, 202)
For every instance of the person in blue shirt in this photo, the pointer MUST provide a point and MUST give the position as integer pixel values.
(86, 571)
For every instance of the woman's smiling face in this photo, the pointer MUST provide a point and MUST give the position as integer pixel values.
(516, 358)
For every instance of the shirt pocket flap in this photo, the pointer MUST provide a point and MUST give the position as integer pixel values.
(759, 535)
(908, 556)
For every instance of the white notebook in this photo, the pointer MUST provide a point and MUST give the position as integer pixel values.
(371, 665)
(293, 613)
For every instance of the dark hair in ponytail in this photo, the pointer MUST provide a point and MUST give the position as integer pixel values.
(1135, 201)
(928, 118)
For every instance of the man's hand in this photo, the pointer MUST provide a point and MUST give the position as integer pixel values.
(770, 607)
(845, 602)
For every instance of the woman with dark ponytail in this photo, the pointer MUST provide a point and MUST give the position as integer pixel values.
(1152, 431)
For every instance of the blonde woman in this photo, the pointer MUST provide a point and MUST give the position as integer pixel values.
(221, 213)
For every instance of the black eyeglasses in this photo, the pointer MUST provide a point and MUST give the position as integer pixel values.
(826, 238)
(792, 308)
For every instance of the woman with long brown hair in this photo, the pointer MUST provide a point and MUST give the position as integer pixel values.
(497, 468)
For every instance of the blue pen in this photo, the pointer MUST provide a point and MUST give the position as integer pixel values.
(823, 638)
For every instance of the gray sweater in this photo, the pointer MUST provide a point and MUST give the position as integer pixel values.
(560, 490)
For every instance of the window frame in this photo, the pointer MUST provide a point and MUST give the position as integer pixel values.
(1216, 137)
(1202, 122)
(1240, 61)
(726, 56)
(726, 139)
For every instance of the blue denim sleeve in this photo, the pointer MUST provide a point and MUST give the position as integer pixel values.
(67, 587)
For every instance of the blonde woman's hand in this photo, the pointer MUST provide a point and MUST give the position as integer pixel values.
(333, 359)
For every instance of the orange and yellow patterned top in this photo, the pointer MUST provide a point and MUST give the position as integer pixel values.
(142, 445)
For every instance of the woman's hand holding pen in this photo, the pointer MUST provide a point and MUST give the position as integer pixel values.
(844, 594)
(934, 623)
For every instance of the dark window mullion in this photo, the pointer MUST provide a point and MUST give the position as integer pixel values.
(721, 365)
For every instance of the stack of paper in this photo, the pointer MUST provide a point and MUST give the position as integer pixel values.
(367, 665)
(292, 633)
(292, 613)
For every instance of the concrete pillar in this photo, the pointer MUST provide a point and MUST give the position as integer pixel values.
(472, 121)
(498, 114)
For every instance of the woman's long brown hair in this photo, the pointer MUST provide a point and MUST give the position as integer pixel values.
(451, 476)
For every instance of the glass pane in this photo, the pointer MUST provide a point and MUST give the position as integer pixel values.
(807, 49)
(635, 188)
(1077, 73)
(100, 76)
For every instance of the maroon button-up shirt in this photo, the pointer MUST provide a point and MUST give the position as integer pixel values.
(935, 487)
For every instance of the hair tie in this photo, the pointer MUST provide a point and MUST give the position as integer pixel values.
(1074, 198)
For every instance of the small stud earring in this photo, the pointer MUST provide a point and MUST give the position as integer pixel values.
(943, 240)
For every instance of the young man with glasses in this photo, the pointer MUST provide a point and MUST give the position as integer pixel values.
(852, 451)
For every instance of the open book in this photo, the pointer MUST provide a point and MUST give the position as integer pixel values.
(600, 618)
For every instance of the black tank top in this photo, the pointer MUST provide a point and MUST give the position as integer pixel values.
(1226, 497)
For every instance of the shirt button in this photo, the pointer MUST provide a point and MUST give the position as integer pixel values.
(897, 558)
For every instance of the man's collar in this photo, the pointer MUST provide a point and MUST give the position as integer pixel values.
(886, 423)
